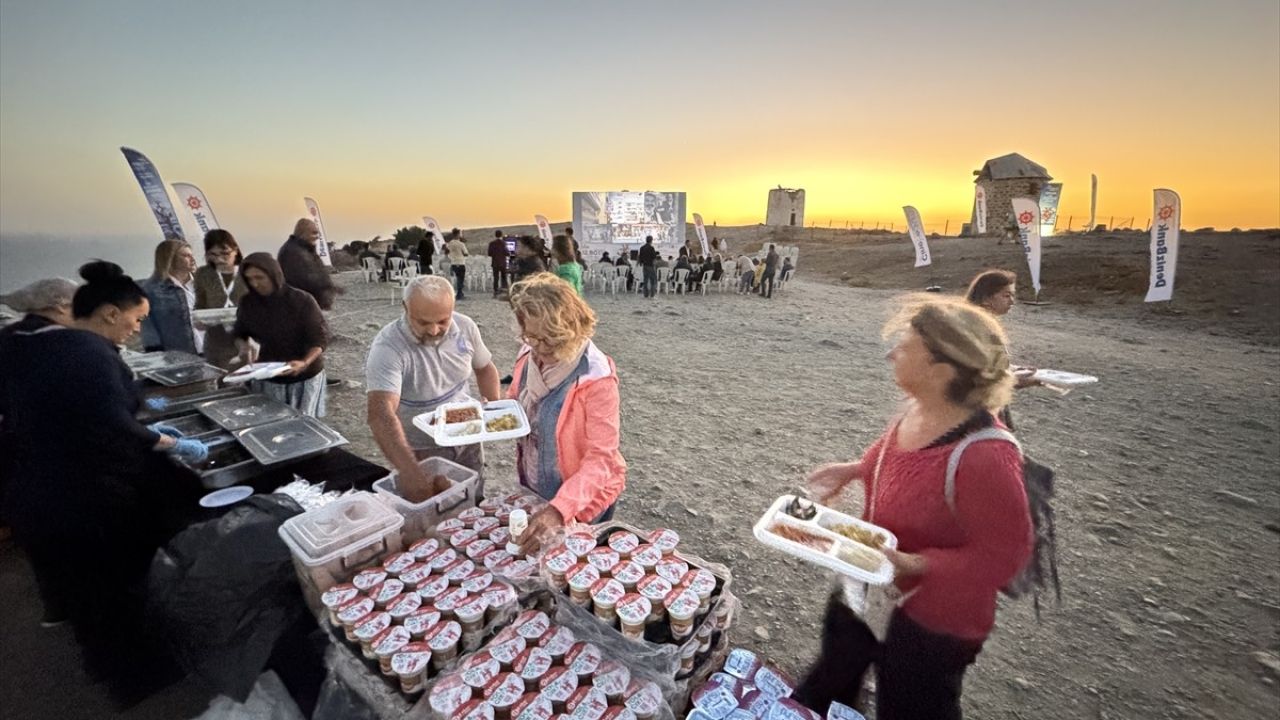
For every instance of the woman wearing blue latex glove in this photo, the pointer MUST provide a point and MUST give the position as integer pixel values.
(190, 451)
(168, 430)
(156, 404)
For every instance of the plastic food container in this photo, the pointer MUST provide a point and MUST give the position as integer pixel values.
(502, 600)
(647, 556)
(383, 594)
(331, 543)
(580, 542)
(485, 525)
(521, 568)
(353, 613)
(665, 540)
(424, 547)
(503, 692)
(497, 560)
(715, 699)
(532, 706)
(477, 581)
(433, 587)
(656, 590)
(473, 431)
(773, 683)
(461, 539)
(587, 703)
(415, 574)
(420, 621)
(742, 664)
(441, 559)
(337, 596)
(702, 583)
(479, 670)
(443, 640)
(603, 558)
(500, 537)
(390, 643)
(644, 698)
(397, 563)
(628, 573)
(459, 570)
(506, 646)
(559, 560)
(532, 665)
(557, 685)
(605, 595)
(404, 605)
(703, 635)
(369, 629)
(557, 641)
(411, 665)
(367, 579)
(618, 712)
(471, 617)
(420, 517)
(688, 655)
(479, 548)
(612, 679)
(473, 710)
(532, 624)
(682, 606)
(829, 549)
(448, 694)
(583, 659)
(446, 529)
(633, 612)
(449, 601)
(624, 542)
(582, 577)
(672, 569)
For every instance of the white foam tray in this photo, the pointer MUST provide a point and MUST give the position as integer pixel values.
(825, 518)
(432, 423)
(256, 371)
(1062, 377)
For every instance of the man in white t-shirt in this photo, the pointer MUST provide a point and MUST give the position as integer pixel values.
(425, 359)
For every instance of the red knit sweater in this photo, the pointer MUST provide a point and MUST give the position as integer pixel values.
(970, 553)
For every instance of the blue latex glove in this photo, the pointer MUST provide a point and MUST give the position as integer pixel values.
(157, 404)
(169, 430)
(190, 451)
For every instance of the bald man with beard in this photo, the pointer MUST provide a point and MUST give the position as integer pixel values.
(303, 268)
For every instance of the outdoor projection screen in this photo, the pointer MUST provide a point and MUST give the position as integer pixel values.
(619, 221)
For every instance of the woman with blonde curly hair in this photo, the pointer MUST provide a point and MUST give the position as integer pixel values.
(569, 390)
(963, 532)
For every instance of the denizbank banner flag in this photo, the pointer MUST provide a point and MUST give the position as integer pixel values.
(1049, 196)
(1166, 218)
(322, 245)
(916, 228)
(157, 197)
(544, 228)
(701, 229)
(1027, 212)
(433, 227)
(1093, 202)
(191, 198)
(980, 210)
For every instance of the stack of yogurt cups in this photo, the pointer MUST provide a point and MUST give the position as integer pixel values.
(749, 689)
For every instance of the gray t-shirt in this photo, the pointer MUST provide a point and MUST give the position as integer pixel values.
(425, 375)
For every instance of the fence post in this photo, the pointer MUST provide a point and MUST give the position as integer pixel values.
(946, 227)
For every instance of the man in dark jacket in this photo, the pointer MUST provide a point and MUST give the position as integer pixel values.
(302, 266)
(770, 271)
(498, 262)
(648, 258)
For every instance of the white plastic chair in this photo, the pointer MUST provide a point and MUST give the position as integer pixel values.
(619, 279)
(664, 275)
(602, 273)
(395, 268)
(679, 278)
(704, 281)
(369, 269)
(406, 276)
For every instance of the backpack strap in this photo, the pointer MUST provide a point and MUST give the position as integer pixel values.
(953, 462)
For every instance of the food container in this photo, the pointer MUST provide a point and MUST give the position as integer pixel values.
(716, 699)
(464, 537)
(459, 570)
(442, 558)
(773, 683)
(420, 621)
(520, 569)
(503, 692)
(471, 515)
(672, 569)
(702, 583)
(584, 659)
(582, 577)
(448, 694)
(486, 525)
(421, 517)
(502, 600)
(477, 549)
(449, 601)
(433, 587)
(337, 596)
(397, 563)
(330, 544)
(788, 709)
(557, 685)
(612, 679)
(605, 595)
(634, 611)
(497, 560)
(817, 541)
(628, 573)
(473, 710)
(479, 670)
(353, 613)
(470, 616)
(483, 428)
(500, 537)
(840, 711)
(506, 646)
(618, 712)
(448, 528)
(644, 698)
(383, 594)
(647, 556)
(656, 590)
(580, 542)
(477, 581)
(532, 706)
(412, 665)
(586, 703)
(532, 665)
(557, 641)
(604, 559)
(756, 703)
(388, 644)
(288, 440)
(404, 605)
(742, 664)
(624, 542)
(703, 635)
(244, 411)
(443, 640)
(688, 656)
(415, 575)
(664, 540)
(366, 580)
(421, 549)
(559, 560)
(369, 629)
(682, 606)
(532, 624)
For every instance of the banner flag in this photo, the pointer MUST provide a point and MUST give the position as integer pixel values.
(702, 235)
(1166, 221)
(980, 210)
(1093, 202)
(1049, 196)
(433, 227)
(1027, 212)
(157, 197)
(322, 245)
(544, 229)
(916, 228)
(192, 198)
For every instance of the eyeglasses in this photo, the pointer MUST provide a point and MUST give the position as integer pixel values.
(534, 340)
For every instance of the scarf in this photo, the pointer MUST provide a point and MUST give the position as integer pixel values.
(540, 381)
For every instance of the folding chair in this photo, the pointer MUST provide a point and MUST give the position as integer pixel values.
(369, 269)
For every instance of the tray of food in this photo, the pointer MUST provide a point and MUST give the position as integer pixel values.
(256, 371)
(1062, 377)
(828, 538)
(209, 317)
(467, 423)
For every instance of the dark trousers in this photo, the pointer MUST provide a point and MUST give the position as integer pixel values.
(766, 283)
(460, 279)
(500, 280)
(650, 281)
(918, 673)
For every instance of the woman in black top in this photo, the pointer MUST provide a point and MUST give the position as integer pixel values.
(528, 258)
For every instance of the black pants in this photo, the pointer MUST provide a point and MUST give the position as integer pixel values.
(918, 673)
(460, 273)
(650, 281)
(766, 280)
(500, 281)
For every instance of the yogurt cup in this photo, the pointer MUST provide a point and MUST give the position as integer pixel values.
(557, 685)
(448, 694)
(582, 577)
(716, 699)
(443, 640)
(742, 664)
(773, 683)
(415, 574)
(604, 558)
(461, 539)
(624, 543)
(532, 665)
(647, 556)
(500, 537)
(398, 563)
(612, 680)
(458, 570)
(688, 654)
(490, 505)
(383, 594)
(496, 560)
(479, 670)
(634, 611)
(618, 712)
(353, 613)
(389, 643)
(506, 647)
(586, 703)
(532, 706)
(673, 570)
(441, 559)
(656, 590)
(448, 528)
(336, 597)
(722, 615)
(370, 628)
(520, 568)
(665, 540)
(433, 587)
(478, 549)
(424, 547)
(559, 560)
(701, 582)
(756, 703)
(449, 600)
(703, 635)
(477, 581)
(682, 606)
(513, 549)
(557, 641)
(366, 579)
(788, 709)
(628, 573)
(583, 659)
(404, 605)
(502, 600)
(471, 515)
(605, 595)
(474, 709)
(532, 624)
(644, 698)
(503, 514)
(470, 614)
(485, 525)
(840, 711)
(503, 692)
(420, 621)
(412, 665)
(580, 542)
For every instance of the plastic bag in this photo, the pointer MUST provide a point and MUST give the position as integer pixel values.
(222, 592)
(338, 702)
(269, 700)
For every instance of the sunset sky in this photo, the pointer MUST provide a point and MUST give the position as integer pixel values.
(486, 113)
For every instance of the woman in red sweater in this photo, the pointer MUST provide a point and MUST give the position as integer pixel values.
(952, 559)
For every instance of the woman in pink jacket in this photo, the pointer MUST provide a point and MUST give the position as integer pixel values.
(569, 390)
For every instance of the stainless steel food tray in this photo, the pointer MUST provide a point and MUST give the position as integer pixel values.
(185, 375)
(290, 439)
(146, 362)
(245, 411)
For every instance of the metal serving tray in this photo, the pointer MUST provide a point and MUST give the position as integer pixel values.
(193, 424)
(146, 362)
(245, 411)
(185, 375)
(290, 439)
(228, 464)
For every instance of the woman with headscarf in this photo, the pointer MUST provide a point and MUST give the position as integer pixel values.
(219, 285)
(171, 292)
(569, 390)
(960, 539)
(289, 328)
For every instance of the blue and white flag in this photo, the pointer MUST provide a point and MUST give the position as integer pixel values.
(916, 228)
(1166, 218)
(1027, 212)
(193, 199)
(1049, 196)
(157, 197)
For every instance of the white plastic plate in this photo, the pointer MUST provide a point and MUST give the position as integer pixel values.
(1062, 377)
(226, 496)
(475, 431)
(819, 526)
(256, 371)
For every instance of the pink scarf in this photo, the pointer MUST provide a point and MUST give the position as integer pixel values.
(540, 381)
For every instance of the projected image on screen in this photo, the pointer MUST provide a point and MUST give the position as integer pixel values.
(616, 222)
